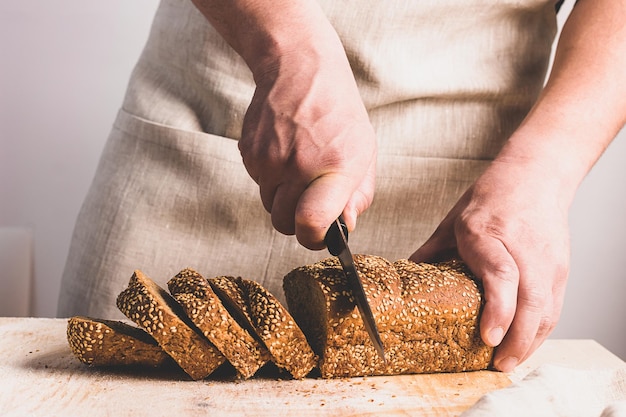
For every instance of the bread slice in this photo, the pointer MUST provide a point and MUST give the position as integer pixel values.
(271, 322)
(153, 309)
(427, 316)
(206, 311)
(100, 342)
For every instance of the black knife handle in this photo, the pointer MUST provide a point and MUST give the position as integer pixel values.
(333, 239)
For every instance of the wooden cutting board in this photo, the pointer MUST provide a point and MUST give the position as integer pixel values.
(40, 376)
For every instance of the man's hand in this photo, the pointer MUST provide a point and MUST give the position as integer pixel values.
(306, 140)
(511, 225)
(511, 229)
(308, 143)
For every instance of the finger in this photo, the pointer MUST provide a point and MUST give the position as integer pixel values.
(267, 191)
(251, 134)
(283, 207)
(552, 310)
(267, 180)
(279, 193)
(319, 205)
(494, 266)
(525, 327)
(546, 325)
(361, 198)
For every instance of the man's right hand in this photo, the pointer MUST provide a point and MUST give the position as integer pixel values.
(306, 140)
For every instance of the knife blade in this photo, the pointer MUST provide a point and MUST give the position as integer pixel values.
(337, 242)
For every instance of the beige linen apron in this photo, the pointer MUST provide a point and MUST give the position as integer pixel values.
(445, 83)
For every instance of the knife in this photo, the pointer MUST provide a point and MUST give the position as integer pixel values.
(337, 242)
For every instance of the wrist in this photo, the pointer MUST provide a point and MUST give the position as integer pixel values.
(549, 158)
(305, 47)
(270, 33)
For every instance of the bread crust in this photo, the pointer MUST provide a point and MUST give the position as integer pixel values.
(154, 310)
(271, 322)
(100, 342)
(427, 316)
(206, 311)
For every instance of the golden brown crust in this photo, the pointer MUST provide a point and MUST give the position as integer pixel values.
(271, 322)
(427, 316)
(100, 342)
(277, 328)
(153, 309)
(206, 311)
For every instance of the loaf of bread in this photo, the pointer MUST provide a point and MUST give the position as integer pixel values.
(101, 342)
(207, 312)
(154, 310)
(271, 322)
(427, 316)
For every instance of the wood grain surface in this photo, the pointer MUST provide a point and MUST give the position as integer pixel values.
(41, 377)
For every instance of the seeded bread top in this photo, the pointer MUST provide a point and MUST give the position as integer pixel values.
(271, 322)
(207, 312)
(102, 342)
(153, 309)
(282, 336)
(427, 316)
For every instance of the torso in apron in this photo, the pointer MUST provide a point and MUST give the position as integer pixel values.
(445, 84)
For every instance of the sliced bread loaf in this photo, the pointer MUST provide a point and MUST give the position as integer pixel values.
(271, 322)
(206, 311)
(154, 310)
(427, 316)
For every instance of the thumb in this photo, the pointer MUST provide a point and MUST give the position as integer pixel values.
(320, 204)
(440, 246)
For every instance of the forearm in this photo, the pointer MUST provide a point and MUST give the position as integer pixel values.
(583, 105)
(511, 225)
(266, 32)
(306, 137)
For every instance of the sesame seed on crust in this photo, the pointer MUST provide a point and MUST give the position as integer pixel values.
(427, 316)
(206, 311)
(271, 322)
(100, 342)
(153, 309)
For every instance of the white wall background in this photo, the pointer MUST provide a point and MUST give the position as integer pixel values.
(64, 65)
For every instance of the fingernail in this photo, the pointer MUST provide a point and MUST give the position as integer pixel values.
(495, 336)
(507, 364)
